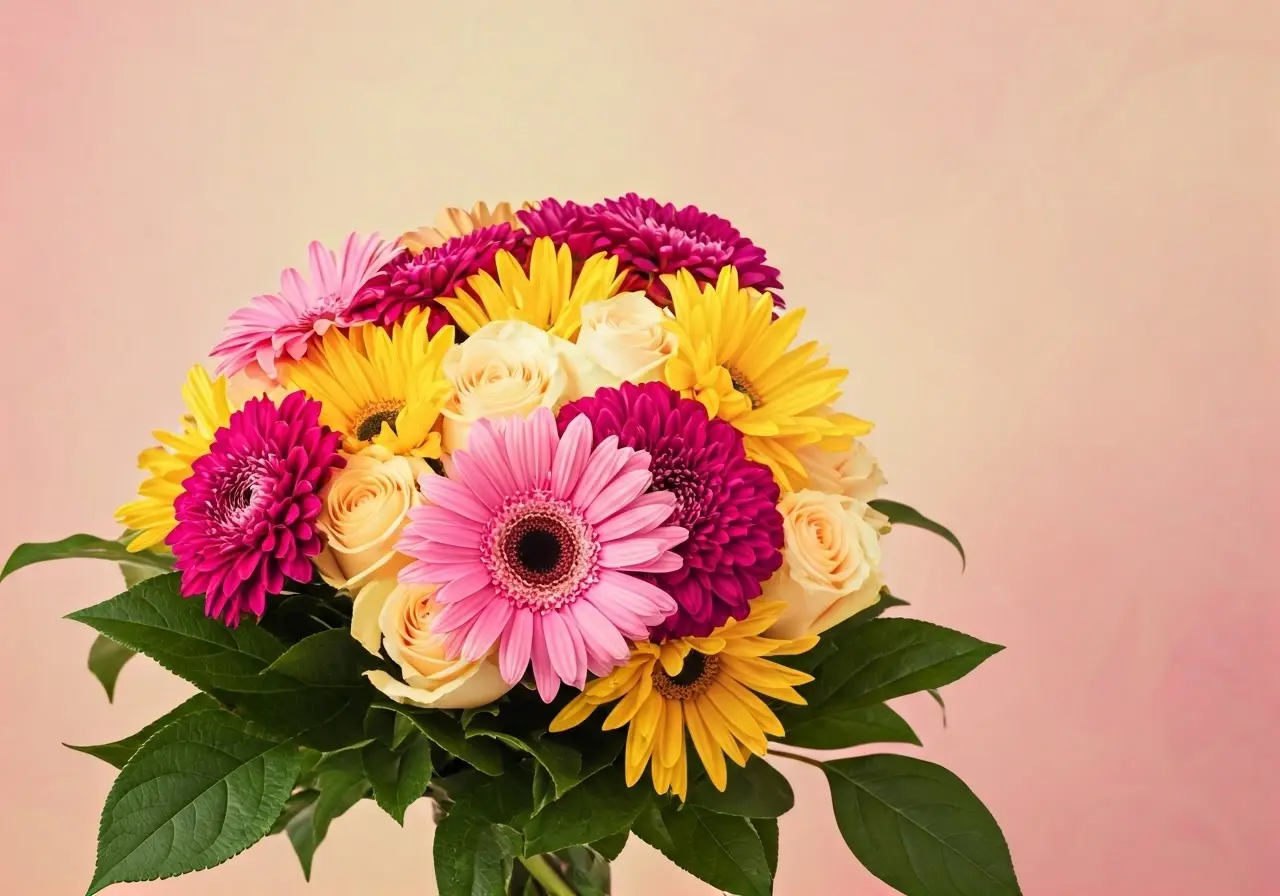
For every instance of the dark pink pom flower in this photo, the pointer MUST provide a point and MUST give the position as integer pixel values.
(246, 517)
(564, 223)
(728, 503)
(410, 280)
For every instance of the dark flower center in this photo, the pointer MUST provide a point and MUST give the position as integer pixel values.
(371, 419)
(538, 551)
(741, 385)
(698, 673)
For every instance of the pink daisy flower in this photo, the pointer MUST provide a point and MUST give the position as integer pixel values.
(539, 541)
(273, 326)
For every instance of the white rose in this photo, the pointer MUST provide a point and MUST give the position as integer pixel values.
(365, 505)
(853, 473)
(398, 618)
(831, 560)
(625, 336)
(510, 368)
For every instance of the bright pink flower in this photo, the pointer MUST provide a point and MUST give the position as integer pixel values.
(538, 541)
(273, 326)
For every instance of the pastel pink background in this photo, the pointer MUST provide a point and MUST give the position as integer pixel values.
(1043, 236)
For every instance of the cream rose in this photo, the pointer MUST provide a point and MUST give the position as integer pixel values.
(397, 618)
(625, 337)
(853, 473)
(831, 560)
(509, 368)
(365, 505)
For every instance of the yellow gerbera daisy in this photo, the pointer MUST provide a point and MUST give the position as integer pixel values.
(732, 356)
(169, 463)
(379, 388)
(453, 222)
(549, 297)
(706, 686)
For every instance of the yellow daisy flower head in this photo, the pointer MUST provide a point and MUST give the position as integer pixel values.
(739, 362)
(549, 296)
(169, 463)
(378, 387)
(706, 687)
(454, 222)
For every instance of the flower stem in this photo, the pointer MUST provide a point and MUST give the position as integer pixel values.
(541, 871)
(774, 751)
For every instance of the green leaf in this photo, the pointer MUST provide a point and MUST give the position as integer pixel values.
(612, 846)
(292, 617)
(398, 778)
(909, 516)
(835, 727)
(918, 828)
(443, 729)
(757, 790)
(583, 869)
(81, 546)
(339, 784)
(106, 659)
(767, 831)
(478, 840)
(331, 658)
(121, 751)
(562, 762)
(829, 642)
(722, 850)
(324, 719)
(294, 806)
(599, 807)
(887, 658)
(942, 704)
(197, 793)
(154, 619)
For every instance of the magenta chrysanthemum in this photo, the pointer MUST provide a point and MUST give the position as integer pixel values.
(727, 502)
(538, 540)
(563, 222)
(651, 239)
(246, 517)
(408, 280)
(273, 326)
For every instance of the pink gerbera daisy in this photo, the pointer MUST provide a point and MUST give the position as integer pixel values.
(538, 541)
(272, 326)
(247, 514)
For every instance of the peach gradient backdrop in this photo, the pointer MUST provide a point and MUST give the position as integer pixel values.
(1043, 236)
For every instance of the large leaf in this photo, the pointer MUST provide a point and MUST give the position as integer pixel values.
(399, 777)
(197, 793)
(757, 790)
(887, 658)
(443, 729)
(599, 807)
(918, 828)
(121, 751)
(325, 719)
(154, 619)
(829, 642)
(767, 831)
(835, 727)
(723, 850)
(82, 546)
(106, 659)
(612, 846)
(330, 658)
(901, 514)
(339, 784)
(478, 840)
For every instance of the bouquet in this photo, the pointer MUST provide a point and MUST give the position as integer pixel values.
(547, 516)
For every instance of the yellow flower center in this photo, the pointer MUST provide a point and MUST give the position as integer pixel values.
(372, 416)
(697, 674)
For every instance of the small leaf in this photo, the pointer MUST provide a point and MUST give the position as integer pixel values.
(767, 831)
(584, 870)
(562, 762)
(331, 658)
(398, 778)
(835, 727)
(293, 617)
(918, 828)
(106, 659)
(340, 784)
(197, 793)
(757, 790)
(478, 840)
(121, 751)
(82, 546)
(942, 704)
(722, 850)
(612, 846)
(599, 807)
(294, 806)
(909, 516)
(443, 729)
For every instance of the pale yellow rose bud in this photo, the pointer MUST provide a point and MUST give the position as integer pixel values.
(365, 505)
(831, 560)
(625, 336)
(396, 617)
(853, 473)
(510, 368)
